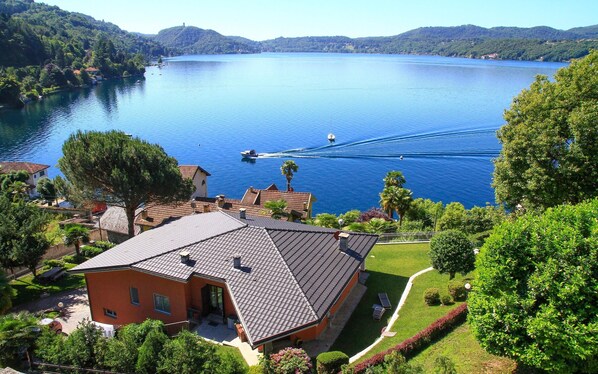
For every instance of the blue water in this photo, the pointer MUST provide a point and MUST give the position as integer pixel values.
(440, 114)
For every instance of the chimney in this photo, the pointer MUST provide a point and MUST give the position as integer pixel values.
(206, 208)
(243, 213)
(220, 201)
(193, 206)
(343, 243)
(184, 257)
(237, 262)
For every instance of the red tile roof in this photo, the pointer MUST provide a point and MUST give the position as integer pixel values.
(156, 215)
(31, 168)
(296, 201)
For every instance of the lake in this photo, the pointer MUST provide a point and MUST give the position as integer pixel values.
(433, 118)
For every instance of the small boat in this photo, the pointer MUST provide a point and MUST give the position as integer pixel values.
(249, 154)
(331, 137)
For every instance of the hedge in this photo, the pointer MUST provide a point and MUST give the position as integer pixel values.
(415, 344)
(331, 362)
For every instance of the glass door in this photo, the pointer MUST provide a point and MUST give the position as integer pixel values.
(216, 305)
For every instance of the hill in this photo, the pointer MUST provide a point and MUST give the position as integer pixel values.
(47, 48)
(512, 43)
(193, 40)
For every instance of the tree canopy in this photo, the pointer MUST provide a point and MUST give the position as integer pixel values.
(535, 297)
(22, 234)
(127, 171)
(549, 150)
(451, 252)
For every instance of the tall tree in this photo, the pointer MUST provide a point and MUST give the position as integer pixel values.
(535, 296)
(127, 171)
(287, 169)
(22, 234)
(394, 178)
(17, 334)
(549, 150)
(396, 199)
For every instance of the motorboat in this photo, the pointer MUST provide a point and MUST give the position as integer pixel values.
(249, 154)
(331, 137)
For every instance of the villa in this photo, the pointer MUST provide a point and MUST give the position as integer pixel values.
(281, 280)
(35, 171)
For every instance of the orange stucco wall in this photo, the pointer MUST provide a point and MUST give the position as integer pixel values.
(110, 290)
(315, 331)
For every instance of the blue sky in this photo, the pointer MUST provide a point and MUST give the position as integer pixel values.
(267, 19)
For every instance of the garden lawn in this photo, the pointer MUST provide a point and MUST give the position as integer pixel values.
(224, 350)
(415, 315)
(465, 352)
(27, 289)
(389, 266)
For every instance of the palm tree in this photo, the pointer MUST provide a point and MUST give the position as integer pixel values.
(394, 178)
(277, 208)
(287, 169)
(396, 199)
(74, 235)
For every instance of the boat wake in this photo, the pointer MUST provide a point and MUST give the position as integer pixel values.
(422, 145)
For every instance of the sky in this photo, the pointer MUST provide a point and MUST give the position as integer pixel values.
(268, 19)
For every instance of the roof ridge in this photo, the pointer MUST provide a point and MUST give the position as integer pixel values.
(190, 244)
(311, 307)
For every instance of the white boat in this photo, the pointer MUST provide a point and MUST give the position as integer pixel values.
(249, 154)
(331, 137)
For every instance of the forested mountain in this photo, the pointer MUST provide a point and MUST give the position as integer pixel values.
(193, 40)
(509, 43)
(44, 48)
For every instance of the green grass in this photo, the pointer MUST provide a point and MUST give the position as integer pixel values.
(224, 350)
(54, 233)
(415, 314)
(28, 289)
(465, 352)
(390, 266)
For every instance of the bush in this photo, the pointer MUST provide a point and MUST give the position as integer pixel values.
(91, 251)
(291, 361)
(54, 263)
(456, 289)
(73, 259)
(103, 245)
(417, 343)
(451, 252)
(255, 369)
(432, 296)
(331, 362)
(446, 300)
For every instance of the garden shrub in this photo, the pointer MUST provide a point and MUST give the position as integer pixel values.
(446, 300)
(103, 245)
(255, 369)
(54, 263)
(91, 251)
(290, 361)
(456, 289)
(331, 362)
(73, 259)
(412, 346)
(432, 296)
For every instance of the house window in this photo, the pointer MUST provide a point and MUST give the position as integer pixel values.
(42, 173)
(161, 303)
(134, 295)
(109, 313)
